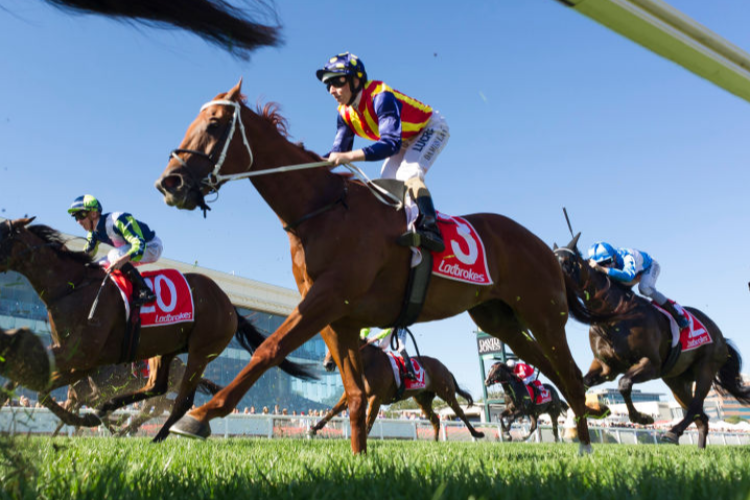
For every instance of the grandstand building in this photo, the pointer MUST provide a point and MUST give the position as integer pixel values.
(265, 305)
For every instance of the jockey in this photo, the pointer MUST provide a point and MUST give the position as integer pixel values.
(384, 339)
(409, 136)
(525, 373)
(629, 266)
(133, 241)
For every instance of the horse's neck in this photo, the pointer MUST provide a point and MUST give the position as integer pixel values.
(49, 274)
(291, 195)
(603, 293)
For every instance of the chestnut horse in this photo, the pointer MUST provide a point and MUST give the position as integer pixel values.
(381, 388)
(108, 382)
(217, 22)
(348, 268)
(519, 404)
(629, 335)
(67, 283)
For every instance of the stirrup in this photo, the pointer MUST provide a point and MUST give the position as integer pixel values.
(431, 240)
(144, 298)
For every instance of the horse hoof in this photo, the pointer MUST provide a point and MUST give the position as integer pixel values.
(585, 449)
(312, 433)
(670, 438)
(479, 435)
(507, 437)
(191, 427)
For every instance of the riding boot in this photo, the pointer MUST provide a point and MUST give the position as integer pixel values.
(427, 226)
(143, 294)
(409, 367)
(682, 321)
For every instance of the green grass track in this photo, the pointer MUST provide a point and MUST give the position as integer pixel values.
(180, 469)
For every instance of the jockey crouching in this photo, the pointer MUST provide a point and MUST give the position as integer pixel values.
(383, 338)
(409, 136)
(133, 242)
(628, 265)
(526, 374)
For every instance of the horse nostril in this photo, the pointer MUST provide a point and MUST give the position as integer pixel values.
(169, 184)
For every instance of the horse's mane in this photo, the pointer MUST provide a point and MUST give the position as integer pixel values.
(271, 111)
(619, 298)
(56, 242)
(216, 21)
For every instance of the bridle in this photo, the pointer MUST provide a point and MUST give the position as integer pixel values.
(214, 178)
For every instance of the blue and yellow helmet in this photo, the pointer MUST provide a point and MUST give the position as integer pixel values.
(345, 64)
(602, 253)
(85, 203)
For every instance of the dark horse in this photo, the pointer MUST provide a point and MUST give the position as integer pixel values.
(629, 335)
(348, 268)
(381, 388)
(519, 404)
(216, 21)
(108, 382)
(67, 283)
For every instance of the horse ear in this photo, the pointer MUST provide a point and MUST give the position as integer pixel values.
(23, 222)
(554, 246)
(573, 245)
(234, 94)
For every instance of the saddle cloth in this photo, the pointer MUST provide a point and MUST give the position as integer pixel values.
(544, 395)
(464, 258)
(174, 299)
(692, 337)
(398, 365)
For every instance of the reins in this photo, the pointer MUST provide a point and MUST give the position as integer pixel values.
(215, 177)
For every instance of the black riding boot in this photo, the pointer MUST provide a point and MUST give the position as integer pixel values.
(409, 367)
(143, 294)
(682, 321)
(427, 226)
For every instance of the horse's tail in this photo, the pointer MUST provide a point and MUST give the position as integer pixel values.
(208, 387)
(729, 379)
(250, 338)
(578, 309)
(217, 22)
(461, 392)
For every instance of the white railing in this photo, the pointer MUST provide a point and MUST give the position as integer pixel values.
(40, 421)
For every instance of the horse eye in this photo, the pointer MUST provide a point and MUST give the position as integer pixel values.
(213, 125)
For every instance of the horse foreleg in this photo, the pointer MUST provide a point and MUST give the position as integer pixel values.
(641, 372)
(372, 411)
(344, 347)
(321, 306)
(7, 391)
(338, 408)
(157, 384)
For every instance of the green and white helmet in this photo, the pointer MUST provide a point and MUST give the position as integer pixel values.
(85, 203)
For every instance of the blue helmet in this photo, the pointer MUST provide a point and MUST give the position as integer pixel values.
(346, 64)
(602, 253)
(85, 203)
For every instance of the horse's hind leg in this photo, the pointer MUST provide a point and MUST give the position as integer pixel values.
(692, 401)
(532, 428)
(424, 400)
(450, 398)
(338, 408)
(641, 372)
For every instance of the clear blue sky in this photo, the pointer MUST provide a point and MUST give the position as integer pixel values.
(546, 108)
